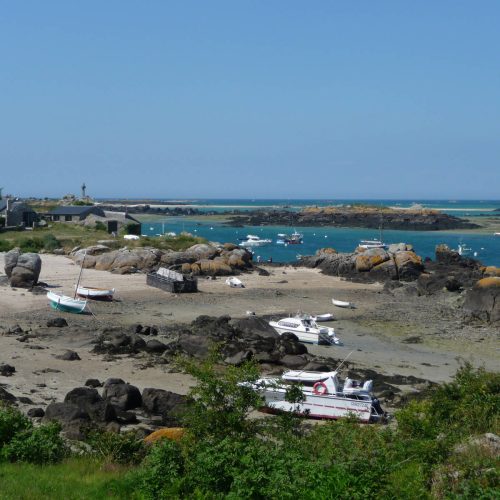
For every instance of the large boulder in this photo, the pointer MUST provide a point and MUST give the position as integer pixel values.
(197, 346)
(409, 265)
(22, 269)
(122, 395)
(168, 405)
(71, 417)
(483, 300)
(89, 400)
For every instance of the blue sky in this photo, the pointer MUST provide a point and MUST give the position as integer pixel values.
(254, 99)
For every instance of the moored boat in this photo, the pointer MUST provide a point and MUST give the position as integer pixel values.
(323, 396)
(306, 329)
(90, 292)
(65, 303)
(254, 241)
(234, 283)
(341, 303)
(368, 244)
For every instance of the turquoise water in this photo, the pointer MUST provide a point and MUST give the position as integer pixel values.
(342, 239)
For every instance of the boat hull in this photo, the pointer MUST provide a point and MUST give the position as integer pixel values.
(66, 304)
(315, 406)
(95, 293)
(306, 337)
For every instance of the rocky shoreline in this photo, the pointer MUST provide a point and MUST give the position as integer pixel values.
(421, 220)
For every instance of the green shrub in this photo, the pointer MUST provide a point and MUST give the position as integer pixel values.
(5, 246)
(100, 226)
(162, 470)
(50, 242)
(31, 244)
(36, 445)
(12, 421)
(116, 448)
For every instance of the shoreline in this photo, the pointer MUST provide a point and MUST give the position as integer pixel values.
(376, 332)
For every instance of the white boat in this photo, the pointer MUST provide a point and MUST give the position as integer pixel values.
(131, 237)
(281, 239)
(496, 234)
(323, 317)
(65, 303)
(323, 396)
(90, 292)
(372, 244)
(294, 239)
(306, 329)
(254, 241)
(234, 283)
(341, 303)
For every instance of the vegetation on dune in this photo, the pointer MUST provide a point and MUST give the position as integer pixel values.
(68, 236)
(436, 449)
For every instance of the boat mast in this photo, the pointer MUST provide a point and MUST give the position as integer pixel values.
(80, 275)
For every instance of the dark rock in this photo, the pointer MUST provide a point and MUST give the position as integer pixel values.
(93, 382)
(6, 370)
(136, 342)
(255, 324)
(123, 396)
(125, 417)
(6, 397)
(22, 269)
(483, 301)
(71, 417)
(239, 358)
(155, 346)
(168, 405)
(195, 345)
(68, 356)
(24, 400)
(57, 322)
(293, 362)
(36, 412)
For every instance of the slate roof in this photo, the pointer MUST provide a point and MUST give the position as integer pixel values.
(71, 210)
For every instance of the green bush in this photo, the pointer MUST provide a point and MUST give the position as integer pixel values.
(50, 242)
(163, 467)
(12, 422)
(100, 226)
(31, 244)
(5, 246)
(36, 445)
(116, 448)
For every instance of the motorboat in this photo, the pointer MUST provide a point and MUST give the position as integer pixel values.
(254, 241)
(341, 303)
(234, 283)
(323, 396)
(368, 244)
(306, 329)
(65, 303)
(90, 292)
(295, 238)
(281, 239)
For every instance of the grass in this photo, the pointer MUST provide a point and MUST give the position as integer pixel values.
(72, 235)
(75, 478)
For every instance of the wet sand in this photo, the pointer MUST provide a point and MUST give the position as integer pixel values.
(373, 334)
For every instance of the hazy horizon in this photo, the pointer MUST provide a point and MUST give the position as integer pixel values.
(222, 99)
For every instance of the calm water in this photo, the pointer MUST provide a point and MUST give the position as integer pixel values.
(342, 239)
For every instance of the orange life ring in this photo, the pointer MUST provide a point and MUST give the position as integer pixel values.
(320, 388)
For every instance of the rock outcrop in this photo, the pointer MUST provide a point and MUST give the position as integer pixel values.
(375, 264)
(200, 259)
(483, 300)
(22, 269)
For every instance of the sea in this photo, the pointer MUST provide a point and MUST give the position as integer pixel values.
(482, 246)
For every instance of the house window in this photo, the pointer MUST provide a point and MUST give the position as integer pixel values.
(67, 218)
(55, 217)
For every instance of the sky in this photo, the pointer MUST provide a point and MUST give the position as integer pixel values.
(250, 99)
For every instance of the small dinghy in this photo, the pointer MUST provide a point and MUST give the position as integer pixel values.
(235, 283)
(89, 292)
(341, 303)
(323, 317)
(65, 303)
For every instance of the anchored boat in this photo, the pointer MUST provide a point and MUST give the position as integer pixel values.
(90, 292)
(323, 396)
(65, 303)
(306, 329)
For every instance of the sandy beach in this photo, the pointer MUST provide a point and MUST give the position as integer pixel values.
(375, 334)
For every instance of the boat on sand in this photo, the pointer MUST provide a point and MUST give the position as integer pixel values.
(323, 396)
(306, 329)
(65, 303)
(341, 303)
(234, 283)
(94, 293)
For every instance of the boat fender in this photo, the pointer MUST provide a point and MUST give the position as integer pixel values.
(320, 388)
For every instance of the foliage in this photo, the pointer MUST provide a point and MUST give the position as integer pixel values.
(162, 470)
(177, 243)
(12, 421)
(100, 226)
(5, 246)
(36, 445)
(116, 448)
